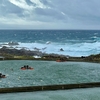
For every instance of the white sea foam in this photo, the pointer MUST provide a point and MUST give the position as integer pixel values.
(77, 49)
(71, 49)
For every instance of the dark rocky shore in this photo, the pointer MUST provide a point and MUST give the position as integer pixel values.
(23, 54)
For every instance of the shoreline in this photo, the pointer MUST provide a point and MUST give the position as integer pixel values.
(22, 54)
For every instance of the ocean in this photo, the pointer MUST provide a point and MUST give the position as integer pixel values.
(73, 42)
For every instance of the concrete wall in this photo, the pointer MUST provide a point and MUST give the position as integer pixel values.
(49, 87)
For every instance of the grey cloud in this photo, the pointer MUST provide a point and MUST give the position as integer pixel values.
(65, 11)
(8, 8)
(46, 2)
(50, 13)
(81, 10)
(29, 2)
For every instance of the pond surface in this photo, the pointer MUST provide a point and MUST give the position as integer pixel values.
(47, 73)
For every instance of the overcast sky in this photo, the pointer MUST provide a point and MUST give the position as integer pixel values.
(49, 14)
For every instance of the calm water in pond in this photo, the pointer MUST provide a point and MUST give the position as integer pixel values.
(47, 73)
